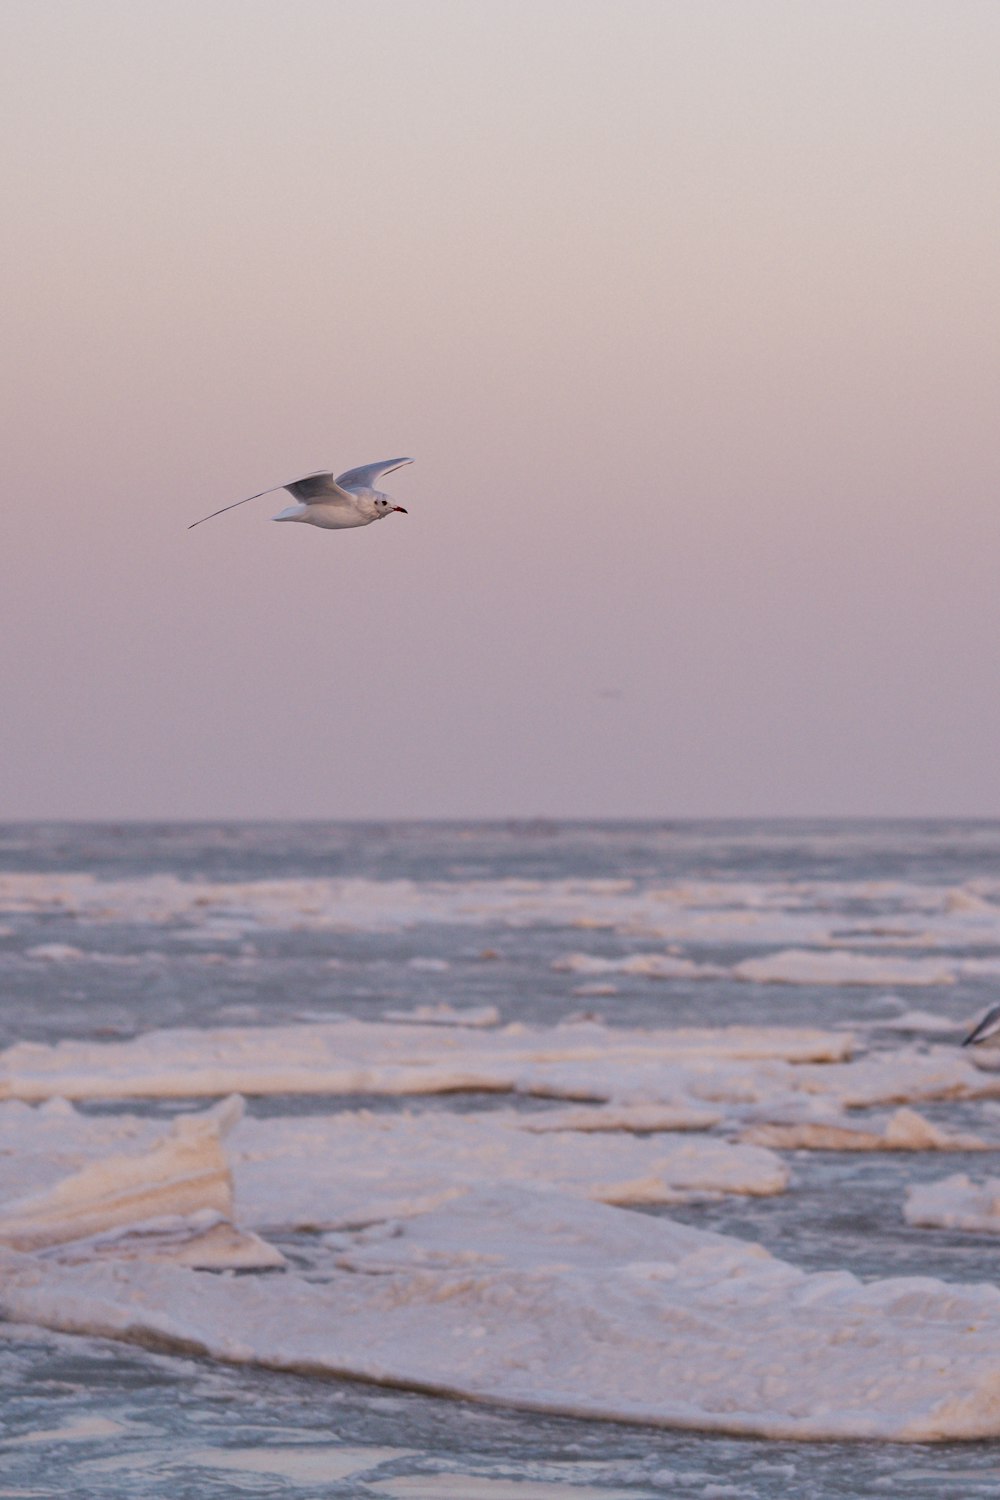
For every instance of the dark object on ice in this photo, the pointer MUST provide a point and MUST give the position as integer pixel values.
(986, 1030)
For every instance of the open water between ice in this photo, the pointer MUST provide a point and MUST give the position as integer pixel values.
(406, 1010)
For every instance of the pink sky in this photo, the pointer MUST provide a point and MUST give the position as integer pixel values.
(688, 311)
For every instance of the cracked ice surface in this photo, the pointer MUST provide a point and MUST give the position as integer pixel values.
(486, 1269)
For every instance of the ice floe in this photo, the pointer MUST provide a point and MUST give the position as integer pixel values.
(313, 1464)
(443, 1014)
(914, 1023)
(349, 1056)
(204, 1240)
(77, 1430)
(682, 1073)
(906, 1130)
(955, 1203)
(788, 914)
(642, 1118)
(903, 1076)
(56, 953)
(842, 967)
(802, 966)
(549, 1302)
(646, 965)
(184, 1172)
(170, 1199)
(485, 1253)
(351, 1167)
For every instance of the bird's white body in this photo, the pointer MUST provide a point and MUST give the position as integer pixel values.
(334, 504)
(335, 515)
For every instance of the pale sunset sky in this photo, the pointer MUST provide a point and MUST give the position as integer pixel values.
(688, 311)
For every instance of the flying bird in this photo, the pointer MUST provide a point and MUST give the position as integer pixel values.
(322, 500)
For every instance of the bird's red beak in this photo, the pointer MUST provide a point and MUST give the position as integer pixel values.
(402, 509)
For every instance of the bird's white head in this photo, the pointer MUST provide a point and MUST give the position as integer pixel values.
(385, 505)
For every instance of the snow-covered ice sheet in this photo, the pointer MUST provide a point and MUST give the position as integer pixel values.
(902, 1076)
(807, 966)
(842, 967)
(550, 1302)
(645, 965)
(354, 1167)
(688, 1075)
(917, 1023)
(641, 1118)
(482, 1253)
(351, 1167)
(169, 1196)
(897, 1077)
(184, 1172)
(906, 1130)
(376, 1058)
(206, 1240)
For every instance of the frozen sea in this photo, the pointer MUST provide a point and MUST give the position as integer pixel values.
(889, 932)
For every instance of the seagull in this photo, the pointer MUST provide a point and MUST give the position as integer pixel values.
(321, 500)
(984, 1031)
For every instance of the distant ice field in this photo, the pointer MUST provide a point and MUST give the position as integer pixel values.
(745, 1029)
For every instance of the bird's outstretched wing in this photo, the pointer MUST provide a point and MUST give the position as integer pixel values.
(317, 489)
(365, 477)
(310, 489)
